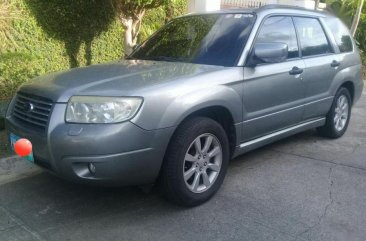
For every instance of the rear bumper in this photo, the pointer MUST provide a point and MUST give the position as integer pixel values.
(123, 153)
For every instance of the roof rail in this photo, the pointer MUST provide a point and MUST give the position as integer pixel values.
(271, 6)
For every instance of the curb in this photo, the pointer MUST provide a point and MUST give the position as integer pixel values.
(14, 168)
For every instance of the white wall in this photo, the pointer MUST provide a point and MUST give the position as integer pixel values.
(300, 3)
(203, 5)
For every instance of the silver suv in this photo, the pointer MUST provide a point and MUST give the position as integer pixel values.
(202, 90)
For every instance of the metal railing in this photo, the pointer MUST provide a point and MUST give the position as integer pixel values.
(258, 3)
(246, 3)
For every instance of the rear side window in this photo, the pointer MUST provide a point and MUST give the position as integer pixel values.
(340, 33)
(312, 38)
(279, 29)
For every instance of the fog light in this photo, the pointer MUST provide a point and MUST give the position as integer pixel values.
(91, 168)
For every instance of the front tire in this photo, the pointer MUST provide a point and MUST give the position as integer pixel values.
(195, 163)
(338, 116)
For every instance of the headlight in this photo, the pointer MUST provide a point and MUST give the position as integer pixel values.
(96, 109)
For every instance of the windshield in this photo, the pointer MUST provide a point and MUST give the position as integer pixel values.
(213, 39)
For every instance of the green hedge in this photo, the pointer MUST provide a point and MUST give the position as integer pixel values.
(54, 35)
(41, 40)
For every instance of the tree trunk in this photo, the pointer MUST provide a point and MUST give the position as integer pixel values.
(129, 40)
(132, 27)
(169, 12)
(356, 18)
(316, 5)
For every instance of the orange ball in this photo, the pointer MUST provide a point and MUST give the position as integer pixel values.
(23, 147)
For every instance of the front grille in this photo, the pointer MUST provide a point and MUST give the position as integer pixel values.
(32, 110)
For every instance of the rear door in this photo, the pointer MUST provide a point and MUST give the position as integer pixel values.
(321, 65)
(273, 93)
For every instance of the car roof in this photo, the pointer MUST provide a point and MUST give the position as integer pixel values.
(271, 9)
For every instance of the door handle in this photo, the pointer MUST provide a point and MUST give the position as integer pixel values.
(335, 63)
(296, 70)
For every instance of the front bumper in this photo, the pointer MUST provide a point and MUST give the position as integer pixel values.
(123, 153)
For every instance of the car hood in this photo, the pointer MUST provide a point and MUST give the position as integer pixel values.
(121, 78)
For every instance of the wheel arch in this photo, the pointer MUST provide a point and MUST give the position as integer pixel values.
(349, 78)
(223, 116)
(349, 85)
(219, 113)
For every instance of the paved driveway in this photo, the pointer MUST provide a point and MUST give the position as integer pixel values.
(302, 188)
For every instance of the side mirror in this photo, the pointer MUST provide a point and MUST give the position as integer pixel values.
(269, 53)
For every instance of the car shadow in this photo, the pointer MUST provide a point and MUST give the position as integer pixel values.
(45, 195)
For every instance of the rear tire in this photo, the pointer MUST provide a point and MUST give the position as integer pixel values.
(196, 161)
(338, 116)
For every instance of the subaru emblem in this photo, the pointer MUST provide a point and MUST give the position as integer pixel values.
(28, 107)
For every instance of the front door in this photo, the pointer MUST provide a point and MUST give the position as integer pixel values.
(273, 94)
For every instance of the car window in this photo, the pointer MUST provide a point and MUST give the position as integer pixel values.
(279, 29)
(213, 39)
(340, 33)
(312, 38)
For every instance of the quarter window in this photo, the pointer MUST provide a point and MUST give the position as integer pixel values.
(279, 29)
(340, 33)
(312, 38)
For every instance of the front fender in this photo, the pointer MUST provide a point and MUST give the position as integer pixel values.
(184, 106)
(170, 110)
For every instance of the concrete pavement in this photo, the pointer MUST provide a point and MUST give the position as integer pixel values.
(302, 188)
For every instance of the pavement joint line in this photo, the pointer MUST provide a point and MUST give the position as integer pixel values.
(324, 213)
(21, 224)
(321, 160)
(8, 228)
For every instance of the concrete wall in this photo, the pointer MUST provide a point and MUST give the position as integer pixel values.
(300, 3)
(203, 5)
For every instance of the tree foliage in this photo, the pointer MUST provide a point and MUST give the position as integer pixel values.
(346, 10)
(73, 22)
(130, 14)
(38, 36)
(6, 19)
(38, 45)
(153, 20)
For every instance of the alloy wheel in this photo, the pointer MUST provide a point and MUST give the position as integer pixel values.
(202, 163)
(341, 113)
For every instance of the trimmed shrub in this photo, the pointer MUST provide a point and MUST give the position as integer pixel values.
(42, 39)
(54, 35)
